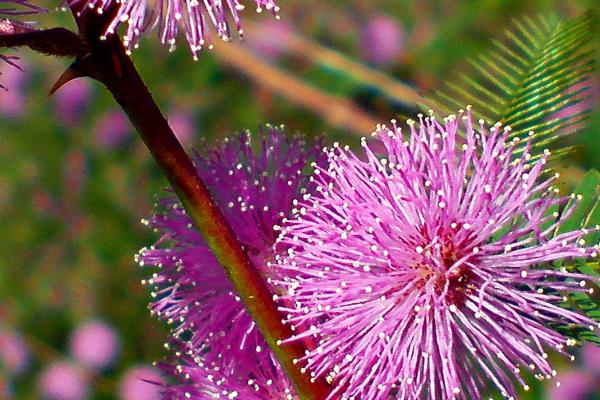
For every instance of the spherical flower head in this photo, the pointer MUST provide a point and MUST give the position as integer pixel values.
(183, 126)
(425, 274)
(170, 16)
(13, 102)
(255, 190)
(141, 382)
(72, 100)
(199, 381)
(112, 130)
(573, 385)
(382, 40)
(95, 345)
(11, 8)
(590, 357)
(63, 381)
(14, 352)
(268, 41)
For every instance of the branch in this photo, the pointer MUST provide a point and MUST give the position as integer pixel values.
(107, 62)
(59, 42)
(337, 111)
(319, 54)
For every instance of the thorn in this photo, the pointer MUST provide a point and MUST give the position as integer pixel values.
(69, 75)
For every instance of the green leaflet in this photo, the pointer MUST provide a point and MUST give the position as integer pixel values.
(586, 215)
(524, 79)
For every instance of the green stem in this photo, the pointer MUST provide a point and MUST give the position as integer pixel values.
(109, 64)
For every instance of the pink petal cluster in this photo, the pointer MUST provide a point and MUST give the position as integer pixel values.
(194, 18)
(141, 383)
(212, 330)
(14, 352)
(95, 345)
(64, 381)
(426, 273)
(254, 380)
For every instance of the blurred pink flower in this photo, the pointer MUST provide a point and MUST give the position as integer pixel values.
(590, 356)
(63, 381)
(574, 385)
(183, 126)
(268, 39)
(74, 173)
(171, 17)
(589, 93)
(72, 100)
(12, 101)
(95, 344)
(112, 130)
(382, 40)
(14, 354)
(136, 384)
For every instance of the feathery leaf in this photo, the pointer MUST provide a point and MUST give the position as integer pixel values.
(540, 68)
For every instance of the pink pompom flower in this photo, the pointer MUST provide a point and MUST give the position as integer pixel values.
(63, 381)
(191, 291)
(14, 352)
(141, 383)
(425, 273)
(193, 18)
(95, 345)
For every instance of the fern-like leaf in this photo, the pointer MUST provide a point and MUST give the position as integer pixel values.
(585, 215)
(526, 78)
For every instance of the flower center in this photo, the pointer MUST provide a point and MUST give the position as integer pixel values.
(436, 268)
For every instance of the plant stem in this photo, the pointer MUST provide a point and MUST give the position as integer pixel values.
(109, 64)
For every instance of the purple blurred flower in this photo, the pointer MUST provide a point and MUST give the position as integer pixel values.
(425, 273)
(590, 355)
(588, 94)
(183, 126)
(201, 382)
(13, 102)
(11, 8)
(112, 130)
(95, 345)
(193, 17)
(268, 40)
(72, 100)
(382, 40)
(14, 353)
(573, 385)
(141, 383)
(255, 191)
(63, 381)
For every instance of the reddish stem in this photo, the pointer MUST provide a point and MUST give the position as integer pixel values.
(107, 62)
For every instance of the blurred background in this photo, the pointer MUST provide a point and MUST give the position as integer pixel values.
(75, 180)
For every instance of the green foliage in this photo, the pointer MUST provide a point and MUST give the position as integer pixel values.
(585, 215)
(540, 68)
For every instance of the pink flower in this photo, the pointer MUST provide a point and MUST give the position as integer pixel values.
(573, 385)
(192, 17)
(12, 102)
(14, 353)
(141, 383)
(112, 130)
(63, 381)
(95, 344)
(382, 40)
(183, 126)
(426, 272)
(72, 100)
(210, 325)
